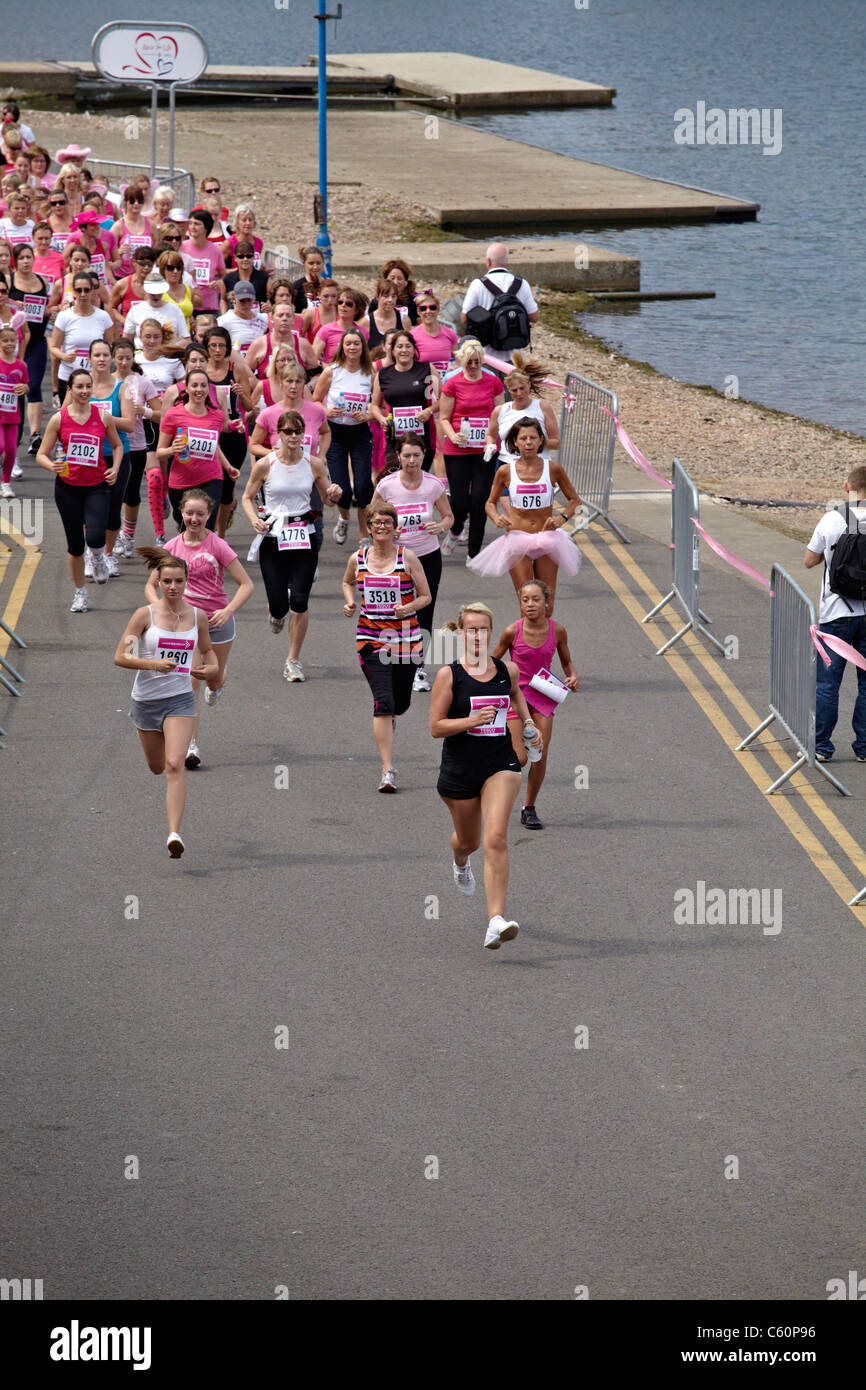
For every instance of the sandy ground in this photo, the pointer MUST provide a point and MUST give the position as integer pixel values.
(731, 447)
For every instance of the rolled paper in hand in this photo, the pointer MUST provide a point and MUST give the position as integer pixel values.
(549, 685)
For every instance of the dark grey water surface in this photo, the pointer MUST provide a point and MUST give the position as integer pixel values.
(788, 319)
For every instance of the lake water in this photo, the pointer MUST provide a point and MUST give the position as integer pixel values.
(788, 319)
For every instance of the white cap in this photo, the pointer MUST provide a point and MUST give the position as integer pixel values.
(178, 215)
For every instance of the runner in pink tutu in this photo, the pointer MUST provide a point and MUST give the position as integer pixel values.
(533, 546)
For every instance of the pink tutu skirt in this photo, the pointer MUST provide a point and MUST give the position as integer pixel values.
(501, 555)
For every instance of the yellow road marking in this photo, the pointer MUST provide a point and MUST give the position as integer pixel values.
(23, 580)
(799, 782)
(817, 852)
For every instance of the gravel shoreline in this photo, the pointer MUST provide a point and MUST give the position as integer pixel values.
(731, 447)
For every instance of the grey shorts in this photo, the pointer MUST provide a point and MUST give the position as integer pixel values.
(148, 715)
(226, 633)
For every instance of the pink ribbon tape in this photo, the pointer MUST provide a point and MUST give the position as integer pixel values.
(633, 451)
(728, 555)
(836, 644)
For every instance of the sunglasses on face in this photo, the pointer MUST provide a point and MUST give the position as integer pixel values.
(172, 238)
(58, 202)
(211, 191)
(346, 303)
(135, 199)
(428, 308)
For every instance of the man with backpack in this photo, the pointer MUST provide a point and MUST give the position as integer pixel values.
(499, 307)
(839, 540)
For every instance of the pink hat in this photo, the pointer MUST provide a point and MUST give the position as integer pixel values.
(88, 215)
(72, 152)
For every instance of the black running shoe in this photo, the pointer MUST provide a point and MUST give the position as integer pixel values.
(530, 819)
(35, 441)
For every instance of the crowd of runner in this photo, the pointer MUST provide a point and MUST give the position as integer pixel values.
(180, 367)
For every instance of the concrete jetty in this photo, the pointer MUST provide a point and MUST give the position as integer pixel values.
(549, 263)
(467, 82)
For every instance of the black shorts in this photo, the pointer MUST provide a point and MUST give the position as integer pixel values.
(465, 783)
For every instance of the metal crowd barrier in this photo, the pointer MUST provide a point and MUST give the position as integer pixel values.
(793, 664)
(587, 438)
(685, 560)
(16, 675)
(281, 260)
(117, 172)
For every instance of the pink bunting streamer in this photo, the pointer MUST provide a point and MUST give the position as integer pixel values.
(728, 555)
(633, 451)
(836, 644)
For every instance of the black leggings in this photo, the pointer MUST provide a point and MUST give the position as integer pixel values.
(116, 493)
(432, 567)
(234, 445)
(283, 570)
(214, 490)
(137, 460)
(390, 681)
(84, 513)
(470, 480)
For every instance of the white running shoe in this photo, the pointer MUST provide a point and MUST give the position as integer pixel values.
(17, 470)
(421, 682)
(293, 671)
(175, 845)
(341, 531)
(88, 562)
(316, 575)
(79, 602)
(449, 543)
(212, 697)
(100, 569)
(124, 547)
(193, 756)
(498, 931)
(464, 879)
(6, 491)
(160, 540)
(112, 566)
(463, 538)
(387, 783)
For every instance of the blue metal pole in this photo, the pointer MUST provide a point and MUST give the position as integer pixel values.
(323, 240)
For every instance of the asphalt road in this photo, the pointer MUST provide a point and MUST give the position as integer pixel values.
(312, 908)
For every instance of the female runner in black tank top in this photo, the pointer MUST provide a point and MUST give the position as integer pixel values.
(233, 442)
(479, 777)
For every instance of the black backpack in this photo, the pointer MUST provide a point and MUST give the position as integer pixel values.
(505, 325)
(846, 574)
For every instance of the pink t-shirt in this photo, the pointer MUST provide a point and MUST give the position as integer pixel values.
(142, 387)
(415, 507)
(203, 434)
(437, 350)
(314, 417)
(331, 333)
(473, 400)
(10, 374)
(258, 245)
(50, 267)
(206, 562)
(207, 263)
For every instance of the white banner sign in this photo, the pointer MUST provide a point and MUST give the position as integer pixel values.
(149, 52)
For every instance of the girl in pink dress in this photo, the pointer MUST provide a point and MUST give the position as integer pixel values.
(531, 642)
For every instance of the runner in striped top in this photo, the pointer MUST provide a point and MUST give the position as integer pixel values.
(393, 589)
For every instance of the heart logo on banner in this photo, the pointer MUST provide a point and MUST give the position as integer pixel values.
(156, 54)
